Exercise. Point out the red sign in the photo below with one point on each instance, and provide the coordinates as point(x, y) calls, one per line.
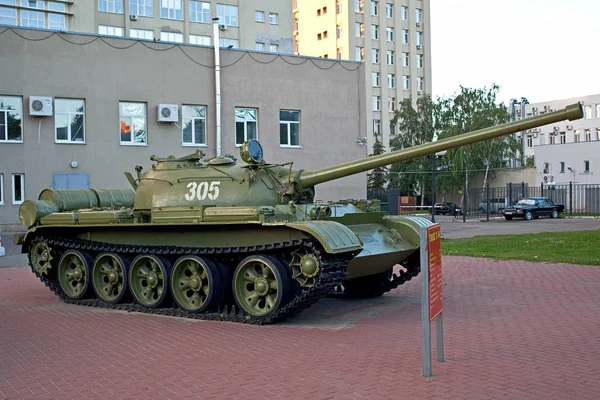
point(434, 252)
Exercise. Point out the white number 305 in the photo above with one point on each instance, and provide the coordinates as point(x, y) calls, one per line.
point(202, 190)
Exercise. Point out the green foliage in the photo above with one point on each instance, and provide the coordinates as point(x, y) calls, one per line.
point(379, 176)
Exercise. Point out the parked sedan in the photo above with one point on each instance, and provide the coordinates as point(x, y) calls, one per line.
point(447, 208)
point(533, 207)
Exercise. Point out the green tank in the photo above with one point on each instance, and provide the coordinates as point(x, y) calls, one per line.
point(217, 239)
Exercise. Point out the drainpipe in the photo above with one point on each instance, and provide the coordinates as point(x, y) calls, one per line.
point(217, 82)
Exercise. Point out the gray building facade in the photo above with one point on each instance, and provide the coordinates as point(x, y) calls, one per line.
point(103, 98)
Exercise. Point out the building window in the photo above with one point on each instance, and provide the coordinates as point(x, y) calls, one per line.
point(10, 119)
point(562, 167)
point(419, 38)
point(392, 104)
point(274, 48)
point(32, 19)
point(228, 15)
point(391, 81)
point(110, 6)
point(588, 112)
point(232, 43)
point(405, 60)
point(375, 56)
point(376, 103)
point(324, 10)
point(420, 61)
point(199, 11)
point(389, 31)
point(171, 37)
point(246, 125)
point(141, 34)
point(391, 58)
point(586, 166)
point(374, 32)
point(546, 168)
point(373, 8)
point(405, 36)
point(200, 40)
point(563, 137)
point(389, 10)
point(392, 129)
point(420, 83)
point(273, 18)
point(133, 123)
point(259, 16)
point(69, 121)
point(171, 9)
point(406, 82)
point(359, 29)
point(376, 127)
point(18, 188)
point(319, 36)
point(597, 110)
point(340, 31)
point(56, 21)
point(418, 15)
point(340, 53)
point(529, 141)
point(597, 133)
point(577, 136)
point(141, 8)
point(404, 13)
point(1, 189)
point(375, 79)
point(360, 54)
point(358, 6)
point(193, 122)
point(588, 135)
point(260, 46)
point(110, 30)
point(552, 139)
point(338, 7)
point(8, 16)
point(289, 128)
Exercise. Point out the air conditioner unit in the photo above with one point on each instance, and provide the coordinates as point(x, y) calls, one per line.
point(418, 24)
point(223, 27)
point(40, 106)
point(168, 113)
point(535, 135)
point(133, 17)
point(569, 127)
point(556, 129)
point(419, 47)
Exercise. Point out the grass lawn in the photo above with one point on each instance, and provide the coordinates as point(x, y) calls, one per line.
point(581, 247)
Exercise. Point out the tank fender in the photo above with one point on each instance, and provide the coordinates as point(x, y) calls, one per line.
point(333, 236)
point(407, 226)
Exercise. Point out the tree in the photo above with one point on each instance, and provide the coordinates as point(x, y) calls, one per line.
point(379, 176)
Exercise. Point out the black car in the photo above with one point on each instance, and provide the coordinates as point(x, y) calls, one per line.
point(533, 207)
point(447, 209)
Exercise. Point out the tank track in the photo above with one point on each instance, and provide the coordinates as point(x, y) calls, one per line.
point(333, 269)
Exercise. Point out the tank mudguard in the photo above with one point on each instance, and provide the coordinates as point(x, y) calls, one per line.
point(408, 226)
point(333, 236)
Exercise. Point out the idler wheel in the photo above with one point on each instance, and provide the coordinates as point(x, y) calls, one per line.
point(196, 283)
point(149, 280)
point(74, 273)
point(109, 277)
point(261, 285)
point(41, 256)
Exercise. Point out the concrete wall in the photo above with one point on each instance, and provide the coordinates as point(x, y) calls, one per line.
point(503, 177)
point(573, 155)
point(326, 94)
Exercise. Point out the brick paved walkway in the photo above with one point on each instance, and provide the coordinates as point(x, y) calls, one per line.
point(514, 330)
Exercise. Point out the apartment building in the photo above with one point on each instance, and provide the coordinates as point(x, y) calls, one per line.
point(567, 151)
point(79, 110)
point(391, 37)
point(252, 24)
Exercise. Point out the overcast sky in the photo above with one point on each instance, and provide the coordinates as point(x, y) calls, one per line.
point(540, 49)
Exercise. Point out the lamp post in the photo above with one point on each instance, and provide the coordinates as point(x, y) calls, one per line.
point(433, 157)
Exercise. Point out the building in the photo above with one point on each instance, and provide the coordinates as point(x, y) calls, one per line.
point(568, 151)
point(77, 110)
point(392, 38)
point(265, 25)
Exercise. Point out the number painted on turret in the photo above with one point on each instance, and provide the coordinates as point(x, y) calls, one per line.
point(202, 190)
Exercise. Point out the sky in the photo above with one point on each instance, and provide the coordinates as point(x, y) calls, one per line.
point(539, 49)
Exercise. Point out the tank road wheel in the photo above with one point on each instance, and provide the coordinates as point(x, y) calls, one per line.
point(74, 273)
point(109, 277)
point(261, 285)
point(149, 280)
point(196, 284)
point(41, 256)
point(305, 267)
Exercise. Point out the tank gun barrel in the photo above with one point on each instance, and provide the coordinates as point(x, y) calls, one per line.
point(311, 178)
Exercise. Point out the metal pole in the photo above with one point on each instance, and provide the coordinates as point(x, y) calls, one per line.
point(524, 102)
point(433, 189)
point(570, 197)
point(439, 337)
point(217, 81)
point(464, 205)
point(542, 189)
point(426, 325)
point(487, 196)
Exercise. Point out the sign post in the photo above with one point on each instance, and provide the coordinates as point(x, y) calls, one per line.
point(431, 293)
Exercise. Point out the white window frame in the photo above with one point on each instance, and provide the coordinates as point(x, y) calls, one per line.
point(375, 56)
point(339, 31)
point(375, 79)
point(245, 122)
point(273, 18)
point(376, 127)
point(117, 31)
point(5, 112)
point(389, 31)
point(563, 137)
point(374, 32)
point(389, 10)
point(171, 9)
point(376, 103)
point(131, 142)
point(529, 141)
point(144, 34)
point(391, 81)
point(418, 15)
point(35, 19)
point(419, 38)
point(404, 36)
point(289, 130)
point(420, 83)
point(404, 13)
point(390, 57)
point(193, 118)
point(391, 104)
point(586, 165)
point(199, 15)
point(374, 8)
point(405, 59)
point(405, 82)
point(420, 61)
point(260, 46)
point(200, 40)
point(56, 21)
point(22, 179)
point(259, 16)
point(69, 115)
point(273, 48)
point(588, 112)
point(111, 6)
point(226, 42)
point(172, 37)
point(140, 5)
point(339, 8)
point(1, 189)
point(6, 11)
point(359, 29)
point(359, 53)
point(225, 12)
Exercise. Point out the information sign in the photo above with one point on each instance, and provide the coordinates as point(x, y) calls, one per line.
point(434, 241)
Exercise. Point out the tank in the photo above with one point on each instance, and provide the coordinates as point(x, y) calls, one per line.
point(225, 240)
